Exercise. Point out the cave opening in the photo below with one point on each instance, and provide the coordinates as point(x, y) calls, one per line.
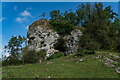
point(60, 45)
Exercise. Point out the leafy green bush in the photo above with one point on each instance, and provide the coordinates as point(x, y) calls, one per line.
point(57, 55)
point(5, 63)
point(41, 54)
point(88, 42)
point(11, 60)
point(31, 56)
point(81, 51)
point(82, 29)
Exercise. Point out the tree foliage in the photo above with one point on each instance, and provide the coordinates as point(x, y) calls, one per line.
point(100, 27)
point(14, 48)
point(101, 31)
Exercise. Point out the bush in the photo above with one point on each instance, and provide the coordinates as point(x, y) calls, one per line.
point(31, 56)
point(5, 63)
point(57, 55)
point(82, 29)
point(11, 60)
point(88, 42)
point(41, 54)
point(81, 51)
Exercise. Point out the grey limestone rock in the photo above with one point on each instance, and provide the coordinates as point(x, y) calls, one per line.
point(42, 37)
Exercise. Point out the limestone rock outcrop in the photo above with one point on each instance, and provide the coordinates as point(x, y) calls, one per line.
point(41, 36)
point(72, 41)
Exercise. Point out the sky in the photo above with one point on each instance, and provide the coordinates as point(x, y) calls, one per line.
point(17, 16)
point(60, 0)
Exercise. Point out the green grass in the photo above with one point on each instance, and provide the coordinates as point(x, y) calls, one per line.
point(65, 67)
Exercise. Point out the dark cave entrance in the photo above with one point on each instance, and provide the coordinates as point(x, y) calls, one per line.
point(60, 45)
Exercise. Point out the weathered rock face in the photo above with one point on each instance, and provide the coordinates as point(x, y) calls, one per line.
point(42, 37)
point(72, 41)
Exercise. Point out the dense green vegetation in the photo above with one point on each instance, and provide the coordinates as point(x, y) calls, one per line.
point(62, 27)
point(101, 25)
point(31, 56)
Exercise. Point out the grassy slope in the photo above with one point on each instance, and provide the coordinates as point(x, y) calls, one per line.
point(65, 67)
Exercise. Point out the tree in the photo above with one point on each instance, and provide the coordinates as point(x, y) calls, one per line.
point(14, 48)
point(62, 27)
point(55, 15)
point(63, 23)
point(43, 15)
point(72, 18)
point(99, 27)
point(117, 25)
point(80, 14)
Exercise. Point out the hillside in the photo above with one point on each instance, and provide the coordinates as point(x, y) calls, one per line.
point(103, 64)
point(81, 41)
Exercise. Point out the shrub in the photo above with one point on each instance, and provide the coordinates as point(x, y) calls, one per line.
point(5, 63)
point(57, 55)
point(31, 56)
point(11, 60)
point(88, 42)
point(41, 54)
point(81, 51)
point(82, 29)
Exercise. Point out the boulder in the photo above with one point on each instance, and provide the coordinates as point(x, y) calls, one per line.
point(42, 37)
point(72, 41)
